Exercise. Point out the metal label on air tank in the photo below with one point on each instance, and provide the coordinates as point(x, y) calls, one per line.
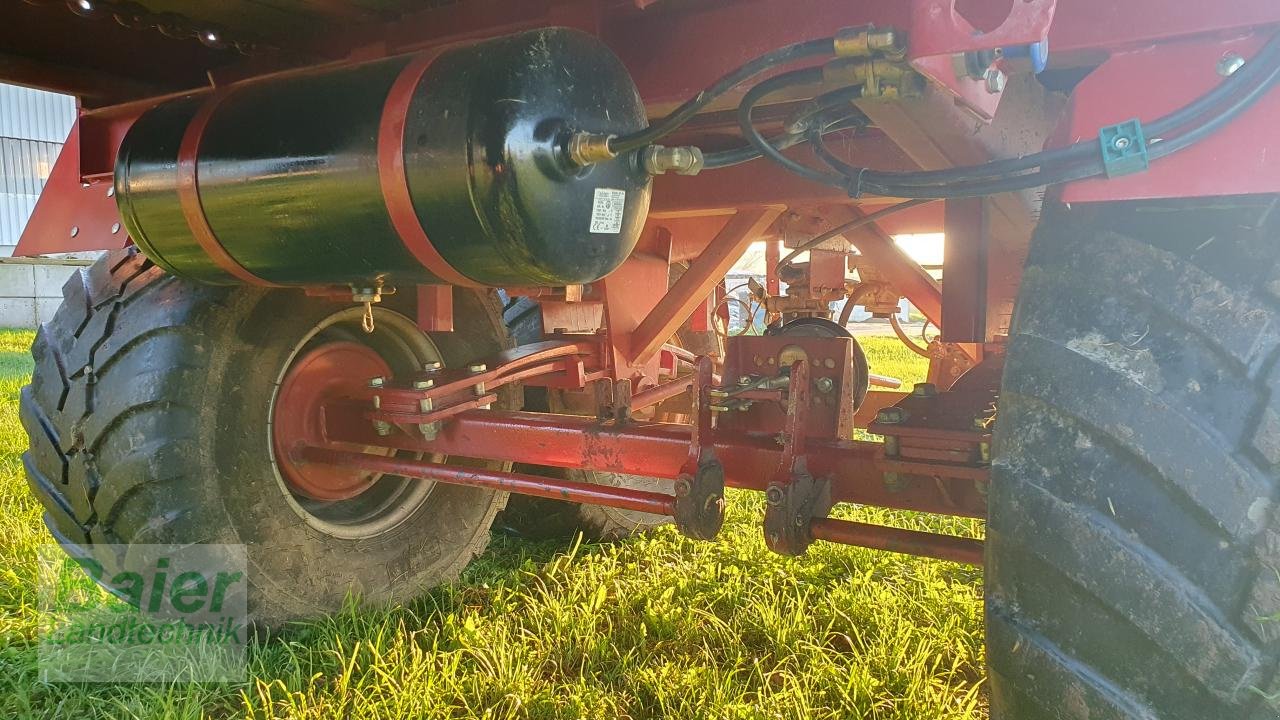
point(607, 210)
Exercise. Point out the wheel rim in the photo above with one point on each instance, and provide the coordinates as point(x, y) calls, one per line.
point(333, 359)
point(327, 371)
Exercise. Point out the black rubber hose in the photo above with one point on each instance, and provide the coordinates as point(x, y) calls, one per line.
point(848, 227)
point(1198, 133)
point(824, 154)
point(747, 153)
point(747, 107)
point(682, 114)
point(836, 98)
point(782, 141)
point(1091, 168)
point(1247, 76)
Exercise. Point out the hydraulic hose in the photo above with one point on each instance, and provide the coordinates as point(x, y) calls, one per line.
point(1059, 174)
point(854, 299)
point(682, 114)
point(850, 226)
point(1091, 168)
point(781, 141)
point(746, 121)
point(1075, 162)
point(1254, 75)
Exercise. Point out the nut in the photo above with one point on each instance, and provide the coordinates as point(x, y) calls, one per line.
point(377, 382)
point(925, 390)
point(996, 80)
point(891, 416)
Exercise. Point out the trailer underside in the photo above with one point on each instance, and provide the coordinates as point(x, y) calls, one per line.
point(775, 413)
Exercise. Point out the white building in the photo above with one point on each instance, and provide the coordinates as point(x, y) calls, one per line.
point(33, 126)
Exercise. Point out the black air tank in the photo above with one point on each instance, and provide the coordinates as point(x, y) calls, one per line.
point(438, 167)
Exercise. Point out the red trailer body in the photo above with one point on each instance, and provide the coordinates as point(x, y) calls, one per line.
point(953, 84)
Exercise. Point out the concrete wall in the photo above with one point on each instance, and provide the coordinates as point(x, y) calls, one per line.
point(30, 293)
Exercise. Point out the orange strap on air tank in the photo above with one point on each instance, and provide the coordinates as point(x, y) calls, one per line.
point(391, 174)
point(189, 195)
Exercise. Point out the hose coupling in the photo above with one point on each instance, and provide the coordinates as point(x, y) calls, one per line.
point(869, 41)
point(685, 160)
point(587, 148)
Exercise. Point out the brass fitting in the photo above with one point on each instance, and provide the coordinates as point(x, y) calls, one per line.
point(659, 160)
point(869, 41)
point(590, 148)
point(879, 78)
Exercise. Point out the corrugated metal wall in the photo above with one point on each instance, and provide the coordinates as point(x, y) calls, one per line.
point(33, 125)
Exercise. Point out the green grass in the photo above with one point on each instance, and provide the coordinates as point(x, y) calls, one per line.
point(888, 356)
point(655, 627)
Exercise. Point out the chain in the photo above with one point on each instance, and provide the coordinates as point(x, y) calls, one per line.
point(135, 16)
point(367, 296)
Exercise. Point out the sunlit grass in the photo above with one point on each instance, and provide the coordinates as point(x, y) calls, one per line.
point(655, 627)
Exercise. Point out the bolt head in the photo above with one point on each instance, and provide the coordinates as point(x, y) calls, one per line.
point(825, 385)
point(377, 382)
point(431, 366)
point(423, 384)
point(1121, 143)
point(1229, 64)
point(477, 368)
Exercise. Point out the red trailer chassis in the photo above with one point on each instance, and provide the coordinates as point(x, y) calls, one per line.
point(779, 416)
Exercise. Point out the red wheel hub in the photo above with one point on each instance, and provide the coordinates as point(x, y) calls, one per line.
point(327, 372)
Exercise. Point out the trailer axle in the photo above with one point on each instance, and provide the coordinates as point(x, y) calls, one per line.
point(844, 532)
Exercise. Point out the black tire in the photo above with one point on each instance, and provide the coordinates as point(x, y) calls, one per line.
point(148, 416)
point(1133, 551)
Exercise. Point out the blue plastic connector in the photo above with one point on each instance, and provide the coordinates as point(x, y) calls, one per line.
point(1124, 148)
point(1035, 53)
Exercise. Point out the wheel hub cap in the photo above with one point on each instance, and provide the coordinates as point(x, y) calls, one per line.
point(330, 371)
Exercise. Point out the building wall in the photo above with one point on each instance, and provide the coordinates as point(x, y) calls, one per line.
point(33, 126)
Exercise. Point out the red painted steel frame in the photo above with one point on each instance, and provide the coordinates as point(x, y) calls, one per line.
point(709, 268)
point(519, 483)
point(658, 450)
point(1243, 158)
point(1150, 60)
point(877, 537)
